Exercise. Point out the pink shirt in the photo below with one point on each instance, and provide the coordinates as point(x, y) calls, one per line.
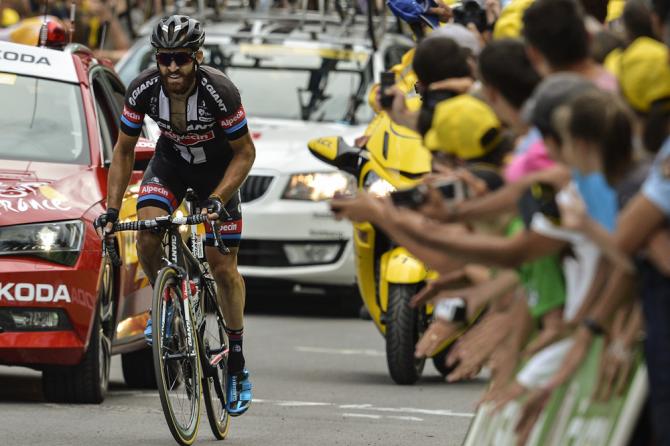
point(532, 160)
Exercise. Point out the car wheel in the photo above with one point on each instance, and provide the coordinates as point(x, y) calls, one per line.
point(88, 381)
point(138, 369)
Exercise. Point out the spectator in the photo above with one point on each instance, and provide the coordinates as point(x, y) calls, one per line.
point(557, 40)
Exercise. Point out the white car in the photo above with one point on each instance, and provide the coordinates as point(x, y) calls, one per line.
point(294, 88)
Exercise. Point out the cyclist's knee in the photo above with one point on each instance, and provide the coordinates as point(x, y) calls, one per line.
point(148, 243)
point(225, 270)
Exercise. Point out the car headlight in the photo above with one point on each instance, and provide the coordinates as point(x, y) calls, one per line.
point(58, 242)
point(376, 185)
point(319, 186)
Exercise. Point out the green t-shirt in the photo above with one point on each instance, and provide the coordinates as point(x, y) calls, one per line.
point(542, 279)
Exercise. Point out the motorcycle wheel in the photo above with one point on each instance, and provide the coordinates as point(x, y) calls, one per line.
point(440, 362)
point(403, 328)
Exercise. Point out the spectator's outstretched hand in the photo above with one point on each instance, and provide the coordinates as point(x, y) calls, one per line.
point(442, 11)
point(572, 208)
point(475, 347)
point(615, 367)
point(436, 334)
point(434, 287)
point(530, 412)
point(362, 207)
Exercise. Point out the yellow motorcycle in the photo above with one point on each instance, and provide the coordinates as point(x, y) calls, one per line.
point(388, 275)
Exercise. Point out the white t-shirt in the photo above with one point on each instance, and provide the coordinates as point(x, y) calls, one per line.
point(579, 270)
point(544, 364)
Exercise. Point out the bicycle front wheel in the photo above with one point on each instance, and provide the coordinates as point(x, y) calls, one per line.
point(215, 367)
point(176, 359)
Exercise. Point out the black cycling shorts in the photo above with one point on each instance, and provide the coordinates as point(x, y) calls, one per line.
point(164, 186)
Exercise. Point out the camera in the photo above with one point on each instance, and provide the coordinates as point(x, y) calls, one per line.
point(387, 81)
point(468, 12)
point(451, 310)
point(452, 190)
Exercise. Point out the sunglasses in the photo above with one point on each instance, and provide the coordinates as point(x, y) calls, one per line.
point(180, 59)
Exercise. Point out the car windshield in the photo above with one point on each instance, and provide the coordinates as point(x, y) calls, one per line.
point(277, 82)
point(44, 123)
point(289, 82)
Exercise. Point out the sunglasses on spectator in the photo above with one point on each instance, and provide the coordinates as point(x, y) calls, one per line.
point(180, 58)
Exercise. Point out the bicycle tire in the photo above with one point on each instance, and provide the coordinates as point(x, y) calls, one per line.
point(215, 349)
point(173, 374)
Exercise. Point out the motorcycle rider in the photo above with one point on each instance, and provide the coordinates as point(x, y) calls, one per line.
point(205, 145)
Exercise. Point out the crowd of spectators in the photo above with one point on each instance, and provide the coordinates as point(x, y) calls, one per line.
point(567, 102)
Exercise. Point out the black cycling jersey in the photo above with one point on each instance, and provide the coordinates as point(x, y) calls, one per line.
point(214, 116)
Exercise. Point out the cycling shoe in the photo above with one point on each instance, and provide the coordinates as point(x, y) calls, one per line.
point(148, 331)
point(238, 393)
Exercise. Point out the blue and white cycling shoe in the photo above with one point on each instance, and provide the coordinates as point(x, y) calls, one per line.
point(148, 331)
point(238, 395)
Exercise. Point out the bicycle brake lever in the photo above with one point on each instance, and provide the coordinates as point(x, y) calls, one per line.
point(218, 242)
point(109, 250)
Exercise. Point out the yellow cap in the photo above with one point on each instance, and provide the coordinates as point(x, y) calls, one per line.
point(644, 73)
point(615, 10)
point(464, 127)
point(612, 61)
point(9, 17)
point(510, 22)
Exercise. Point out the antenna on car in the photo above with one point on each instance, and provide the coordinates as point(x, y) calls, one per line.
point(73, 10)
point(105, 25)
point(43, 28)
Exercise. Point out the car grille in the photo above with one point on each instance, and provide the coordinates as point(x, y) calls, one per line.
point(254, 187)
point(271, 252)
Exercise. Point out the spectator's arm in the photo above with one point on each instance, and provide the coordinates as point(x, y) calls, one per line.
point(504, 199)
point(468, 247)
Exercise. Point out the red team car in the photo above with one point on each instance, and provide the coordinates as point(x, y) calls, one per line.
point(63, 310)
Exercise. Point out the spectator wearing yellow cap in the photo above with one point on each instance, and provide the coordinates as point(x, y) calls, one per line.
point(644, 76)
point(465, 128)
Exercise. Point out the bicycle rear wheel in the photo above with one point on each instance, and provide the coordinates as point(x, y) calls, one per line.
point(176, 362)
point(215, 367)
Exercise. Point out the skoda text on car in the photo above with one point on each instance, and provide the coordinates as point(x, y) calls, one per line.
point(294, 88)
point(62, 309)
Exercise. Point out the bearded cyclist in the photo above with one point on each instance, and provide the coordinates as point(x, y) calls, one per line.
point(205, 145)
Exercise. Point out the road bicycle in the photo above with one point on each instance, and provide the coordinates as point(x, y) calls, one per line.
point(190, 346)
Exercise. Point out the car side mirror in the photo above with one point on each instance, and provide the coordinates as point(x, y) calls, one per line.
point(336, 152)
point(144, 151)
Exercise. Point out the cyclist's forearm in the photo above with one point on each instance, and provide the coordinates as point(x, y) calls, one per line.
point(119, 176)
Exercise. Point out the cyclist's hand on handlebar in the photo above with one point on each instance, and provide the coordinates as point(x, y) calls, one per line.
point(104, 222)
point(214, 208)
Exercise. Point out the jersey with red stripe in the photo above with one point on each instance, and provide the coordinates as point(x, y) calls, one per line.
point(214, 116)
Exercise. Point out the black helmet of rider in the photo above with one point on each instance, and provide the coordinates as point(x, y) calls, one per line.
point(178, 31)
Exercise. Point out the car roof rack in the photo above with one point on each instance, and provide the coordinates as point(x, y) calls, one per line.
point(337, 21)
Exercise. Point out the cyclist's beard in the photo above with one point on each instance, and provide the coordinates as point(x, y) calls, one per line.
point(179, 84)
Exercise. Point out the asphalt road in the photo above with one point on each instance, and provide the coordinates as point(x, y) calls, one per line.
point(318, 380)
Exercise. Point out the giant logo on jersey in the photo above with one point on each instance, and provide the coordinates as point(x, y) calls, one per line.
point(212, 91)
point(132, 98)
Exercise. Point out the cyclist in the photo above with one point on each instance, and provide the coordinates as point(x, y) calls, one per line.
point(205, 145)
